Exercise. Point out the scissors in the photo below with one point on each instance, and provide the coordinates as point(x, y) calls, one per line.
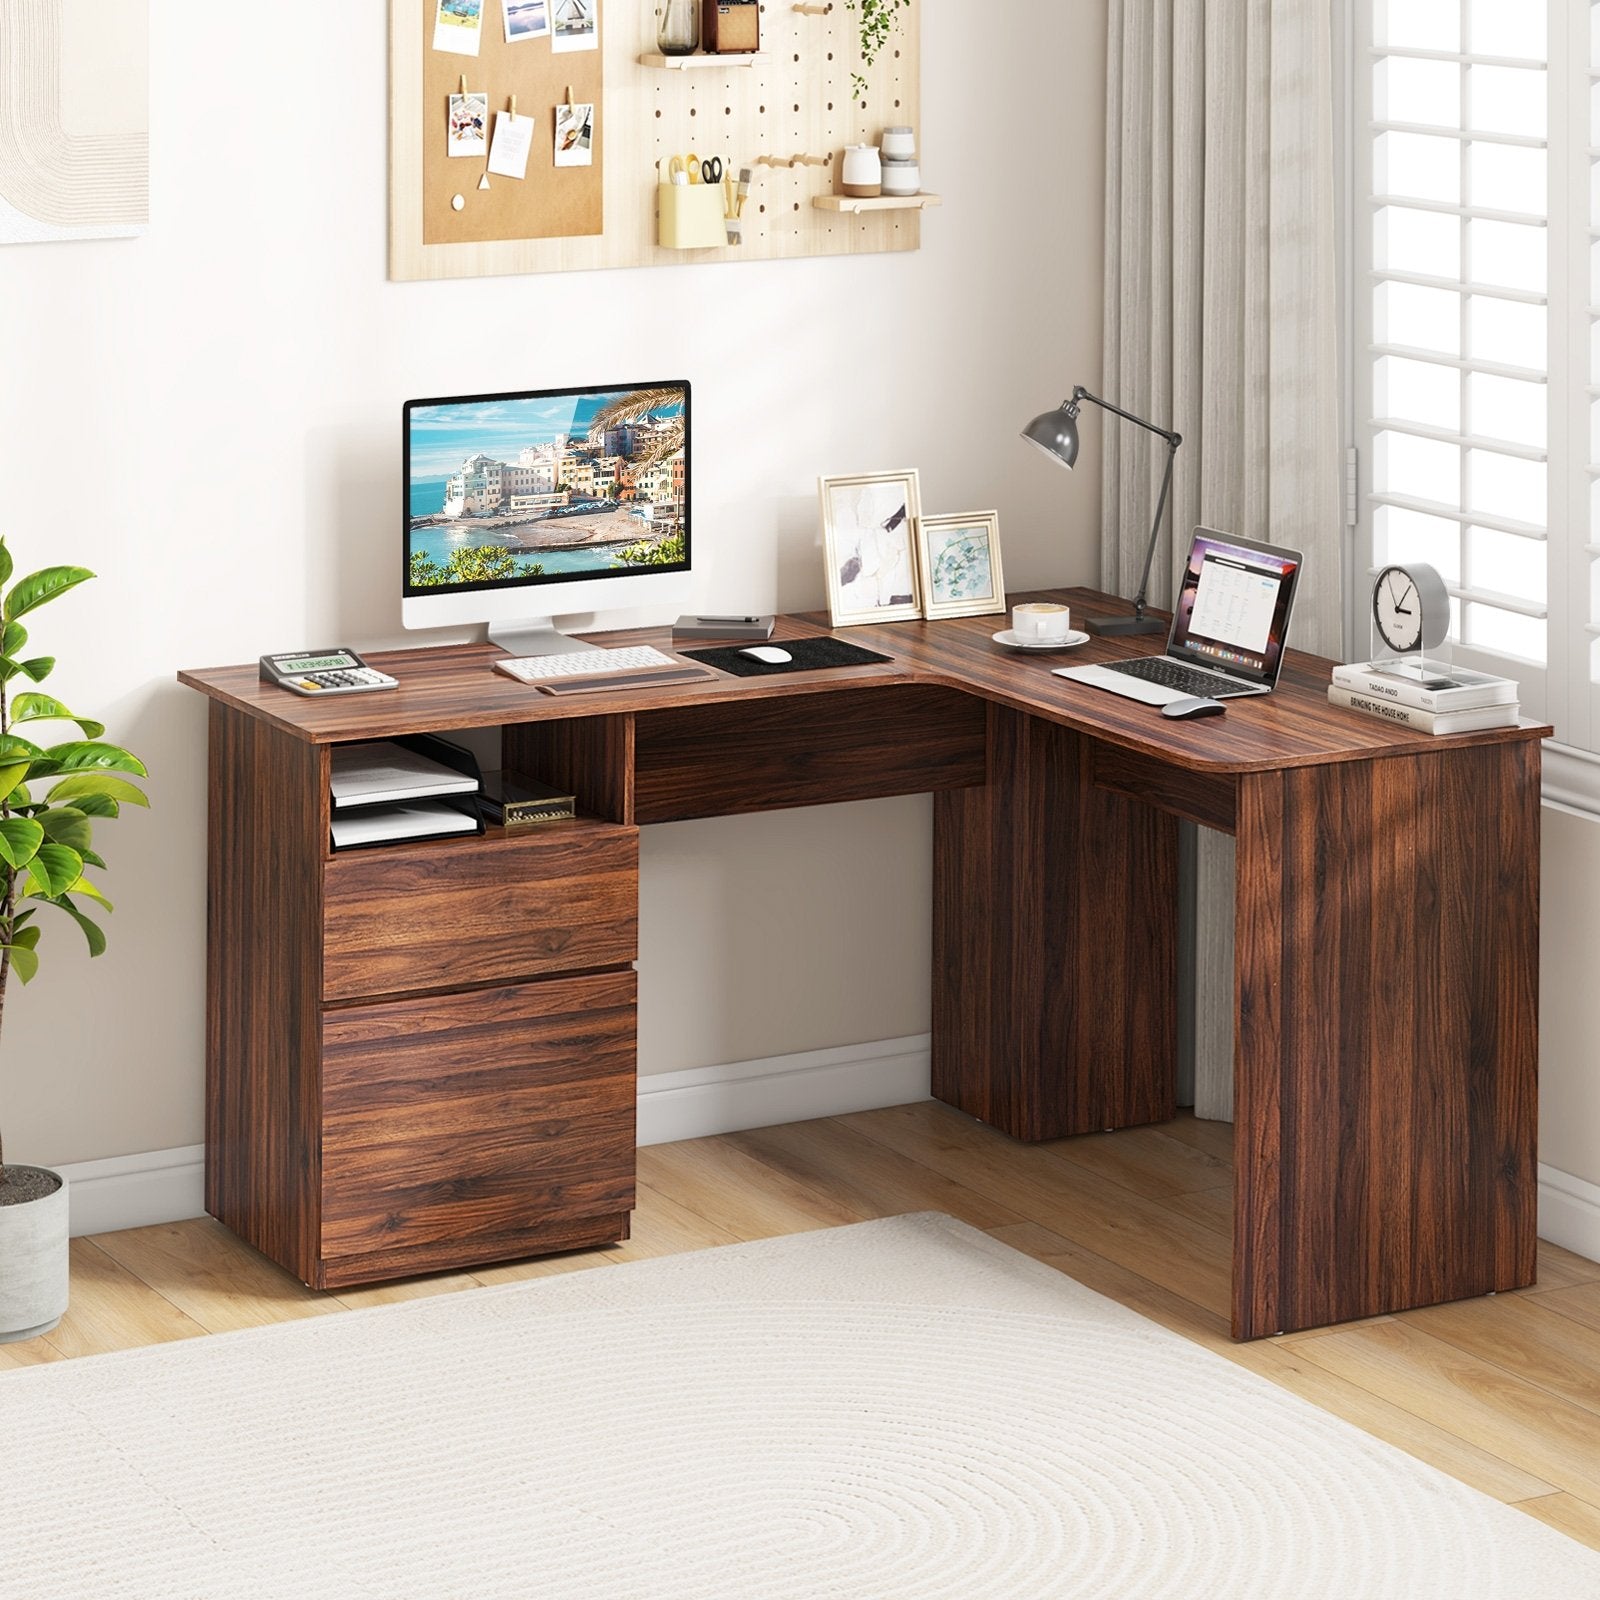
point(691, 169)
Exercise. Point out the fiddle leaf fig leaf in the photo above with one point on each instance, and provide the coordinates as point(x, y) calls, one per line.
point(20, 838)
point(23, 961)
point(38, 667)
point(12, 637)
point(82, 786)
point(69, 826)
point(79, 756)
point(31, 707)
point(92, 931)
point(39, 588)
point(84, 886)
point(28, 938)
point(7, 566)
point(54, 870)
point(96, 805)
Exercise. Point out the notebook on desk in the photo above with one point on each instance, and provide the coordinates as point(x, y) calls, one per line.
point(1229, 630)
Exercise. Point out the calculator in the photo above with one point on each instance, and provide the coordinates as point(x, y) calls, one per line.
point(338, 670)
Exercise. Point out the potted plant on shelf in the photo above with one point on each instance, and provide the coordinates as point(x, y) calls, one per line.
point(875, 22)
point(50, 798)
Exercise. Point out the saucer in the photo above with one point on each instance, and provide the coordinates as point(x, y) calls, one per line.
point(1012, 642)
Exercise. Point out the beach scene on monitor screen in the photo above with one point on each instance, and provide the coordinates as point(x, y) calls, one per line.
point(542, 486)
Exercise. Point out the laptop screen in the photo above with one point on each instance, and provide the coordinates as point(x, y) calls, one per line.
point(1233, 607)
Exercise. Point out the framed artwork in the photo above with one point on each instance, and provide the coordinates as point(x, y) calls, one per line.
point(869, 540)
point(958, 560)
point(75, 104)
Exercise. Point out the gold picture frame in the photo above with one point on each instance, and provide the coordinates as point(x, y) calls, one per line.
point(958, 565)
point(869, 541)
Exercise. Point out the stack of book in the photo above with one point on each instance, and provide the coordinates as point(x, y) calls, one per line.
point(1447, 700)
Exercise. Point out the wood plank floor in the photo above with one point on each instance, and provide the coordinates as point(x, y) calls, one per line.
point(1502, 1393)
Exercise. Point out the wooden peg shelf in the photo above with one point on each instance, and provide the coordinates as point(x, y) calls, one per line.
point(748, 58)
point(886, 202)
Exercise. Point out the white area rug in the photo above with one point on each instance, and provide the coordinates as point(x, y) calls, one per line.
point(894, 1410)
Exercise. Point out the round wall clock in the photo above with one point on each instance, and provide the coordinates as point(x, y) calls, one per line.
point(1410, 607)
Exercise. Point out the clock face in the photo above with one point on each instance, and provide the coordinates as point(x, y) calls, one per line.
point(1397, 609)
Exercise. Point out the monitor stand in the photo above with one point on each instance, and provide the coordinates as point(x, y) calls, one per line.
point(535, 636)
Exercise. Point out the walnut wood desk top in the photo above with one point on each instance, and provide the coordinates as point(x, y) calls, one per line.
point(455, 686)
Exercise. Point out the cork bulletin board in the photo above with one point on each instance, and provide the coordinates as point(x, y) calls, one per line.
point(787, 113)
point(551, 201)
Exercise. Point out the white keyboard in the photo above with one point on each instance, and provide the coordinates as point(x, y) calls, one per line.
point(584, 664)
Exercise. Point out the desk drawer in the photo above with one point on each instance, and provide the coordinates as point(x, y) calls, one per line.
point(452, 912)
point(770, 754)
point(470, 1122)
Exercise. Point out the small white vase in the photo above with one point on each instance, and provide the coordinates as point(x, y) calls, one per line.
point(33, 1263)
point(861, 177)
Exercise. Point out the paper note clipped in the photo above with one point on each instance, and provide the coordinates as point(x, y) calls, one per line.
point(513, 139)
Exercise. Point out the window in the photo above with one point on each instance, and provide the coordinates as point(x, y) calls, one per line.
point(1475, 367)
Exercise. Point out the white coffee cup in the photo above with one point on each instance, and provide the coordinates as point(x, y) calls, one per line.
point(1041, 622)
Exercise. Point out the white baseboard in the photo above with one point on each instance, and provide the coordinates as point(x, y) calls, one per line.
point(169, 1185)
point(137, 1191)
point(758, 1094)
point(1569, 1212)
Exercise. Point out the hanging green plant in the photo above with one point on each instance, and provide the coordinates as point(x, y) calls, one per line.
point(875, 22)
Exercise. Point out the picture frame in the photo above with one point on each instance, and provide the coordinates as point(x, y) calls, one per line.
point(869, 540)
point(958, 565)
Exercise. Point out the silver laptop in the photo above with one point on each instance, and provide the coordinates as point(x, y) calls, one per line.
point(1230, 626)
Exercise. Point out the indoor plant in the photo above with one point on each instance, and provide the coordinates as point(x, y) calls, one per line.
point(875, 21)
point(50, 798)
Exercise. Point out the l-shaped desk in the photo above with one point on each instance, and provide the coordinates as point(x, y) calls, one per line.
point(422, 1056)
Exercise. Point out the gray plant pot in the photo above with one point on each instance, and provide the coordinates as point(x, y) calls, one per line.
point(33, 1262)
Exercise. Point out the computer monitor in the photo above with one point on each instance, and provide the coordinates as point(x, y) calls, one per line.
point(545, 503)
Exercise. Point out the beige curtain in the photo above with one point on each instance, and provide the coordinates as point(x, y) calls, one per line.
point(1221, 322)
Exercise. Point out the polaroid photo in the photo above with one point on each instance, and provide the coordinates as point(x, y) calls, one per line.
point(576, 25)
point(513, 139)
point(458, 26)
point(526, 19)
point(469, 124)
point(575, 135)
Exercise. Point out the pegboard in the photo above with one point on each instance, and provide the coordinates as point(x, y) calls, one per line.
point(793, 101)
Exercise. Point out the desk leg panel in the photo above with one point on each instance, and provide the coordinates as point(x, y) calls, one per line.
point(1386, 1067)
point(1055, 943)
point(267, 834)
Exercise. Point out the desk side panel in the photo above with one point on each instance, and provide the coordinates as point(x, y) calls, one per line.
point(1387, 1057)
point(1055, 943)
point(266, 837)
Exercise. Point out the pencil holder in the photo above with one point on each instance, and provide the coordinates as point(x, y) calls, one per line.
point(691, 216)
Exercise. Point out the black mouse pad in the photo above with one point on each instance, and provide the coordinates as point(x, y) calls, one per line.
point(809, 655)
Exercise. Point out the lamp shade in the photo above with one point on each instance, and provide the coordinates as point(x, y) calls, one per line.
point(1056, 433)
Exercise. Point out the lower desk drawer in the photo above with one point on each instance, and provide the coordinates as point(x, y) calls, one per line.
point(468, 1127)
point(559, 898)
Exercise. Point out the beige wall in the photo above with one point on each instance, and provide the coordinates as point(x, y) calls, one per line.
point(209, 417)
point(1569, 996)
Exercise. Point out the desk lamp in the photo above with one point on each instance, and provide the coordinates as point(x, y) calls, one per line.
point(1056, 433)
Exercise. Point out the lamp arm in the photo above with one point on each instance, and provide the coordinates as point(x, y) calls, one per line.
point(1080, 394)
point(1173, 441)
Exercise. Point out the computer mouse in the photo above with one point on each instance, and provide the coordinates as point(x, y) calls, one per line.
point(775, 657)
point(1193, 706)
